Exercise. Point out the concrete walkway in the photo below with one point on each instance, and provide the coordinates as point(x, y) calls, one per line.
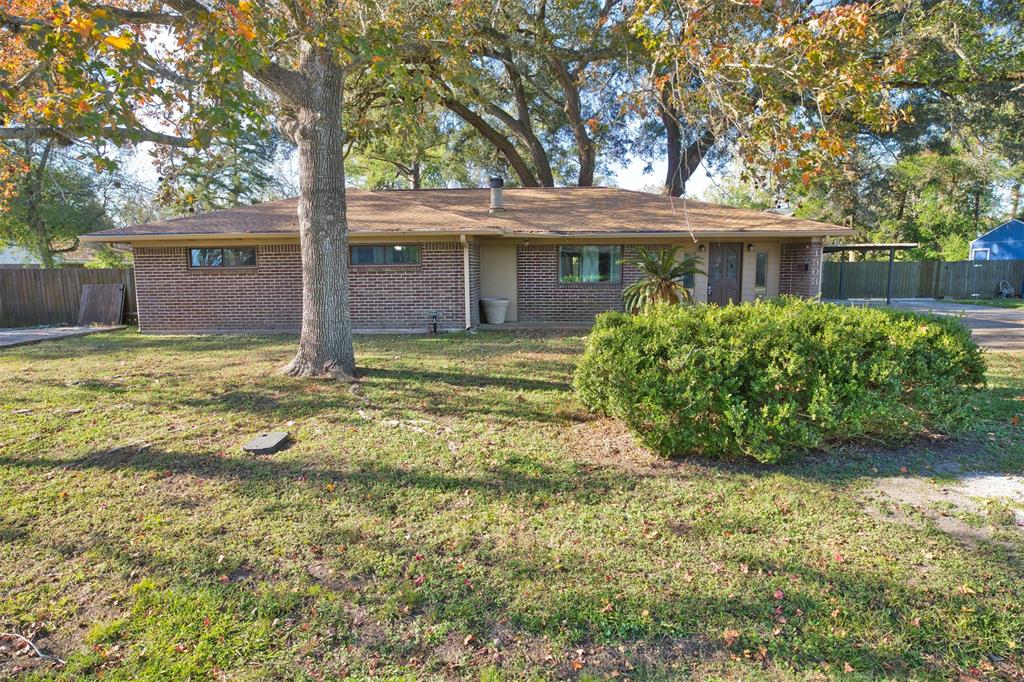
point(993, 328)
point(24, 336)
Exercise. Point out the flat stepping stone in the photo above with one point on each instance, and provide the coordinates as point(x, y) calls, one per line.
point(267, 443)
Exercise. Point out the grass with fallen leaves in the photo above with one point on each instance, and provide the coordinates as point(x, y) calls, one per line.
point(456, 515)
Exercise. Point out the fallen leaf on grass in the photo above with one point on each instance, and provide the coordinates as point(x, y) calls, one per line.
point(730, 636)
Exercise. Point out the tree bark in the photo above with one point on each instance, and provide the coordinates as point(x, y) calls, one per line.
point(521, 125)
point(415, 175)
point(674, 183)
point(325, 345)
point(586, 151)
point(681, 163)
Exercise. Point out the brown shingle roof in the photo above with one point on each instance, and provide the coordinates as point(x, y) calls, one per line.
point(535, 212)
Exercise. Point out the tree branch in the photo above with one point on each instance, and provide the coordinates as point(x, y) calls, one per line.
point(285, 83)
point(508, 150)
point(109, 133)
point(121, 15)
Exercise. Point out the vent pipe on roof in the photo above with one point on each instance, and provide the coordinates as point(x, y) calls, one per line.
point(496, 184)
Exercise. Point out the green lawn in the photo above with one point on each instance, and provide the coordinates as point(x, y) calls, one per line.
point(992, 302)
point(456, 515)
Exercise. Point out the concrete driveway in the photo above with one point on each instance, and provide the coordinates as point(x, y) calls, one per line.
point(993, 328)
point(24, 336)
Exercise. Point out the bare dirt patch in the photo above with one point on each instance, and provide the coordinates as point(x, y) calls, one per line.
point(608, 442)
point(993, 485)
point(950, 505)
point(51, 641)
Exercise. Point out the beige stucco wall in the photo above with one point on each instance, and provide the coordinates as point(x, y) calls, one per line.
point(498, 274)
point(748, 269)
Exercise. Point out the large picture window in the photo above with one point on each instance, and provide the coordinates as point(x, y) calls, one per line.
point(222, 258)
point(387, 254)
point(589, 264)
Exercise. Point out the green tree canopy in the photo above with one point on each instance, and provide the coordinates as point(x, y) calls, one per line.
point(55, 201)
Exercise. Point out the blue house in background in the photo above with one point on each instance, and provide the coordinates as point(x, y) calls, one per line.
point(1005, 242)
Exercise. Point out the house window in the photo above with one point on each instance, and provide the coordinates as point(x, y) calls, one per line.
point(387, 254)
point(761, 275)
point(689, 279)
point(589, 264)
point(980, 254)
point(222, 258)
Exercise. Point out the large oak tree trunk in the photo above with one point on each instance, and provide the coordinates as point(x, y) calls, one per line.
point(674, 181)
point(325, 346)
point(682, 163)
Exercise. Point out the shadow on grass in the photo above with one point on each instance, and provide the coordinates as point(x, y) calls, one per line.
point(502, 480)
point(465, 379)
point(131, 342)
point(441, 346)
point(809, 617)
point(388, 393)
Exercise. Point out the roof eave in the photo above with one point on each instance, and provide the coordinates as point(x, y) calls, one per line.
point(675, 234)
point(220, 236)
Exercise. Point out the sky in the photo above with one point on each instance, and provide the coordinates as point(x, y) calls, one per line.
point(632, 176)
point(628, 176)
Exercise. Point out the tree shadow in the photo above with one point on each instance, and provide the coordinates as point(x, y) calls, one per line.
point(501, 480)
point(490, 607)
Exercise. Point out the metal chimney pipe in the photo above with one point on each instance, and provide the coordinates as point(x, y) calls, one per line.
point(496, 184)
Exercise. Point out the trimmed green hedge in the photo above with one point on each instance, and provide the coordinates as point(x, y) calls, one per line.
point(772, 379)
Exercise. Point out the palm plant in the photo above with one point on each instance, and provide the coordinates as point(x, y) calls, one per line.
point(661, 281)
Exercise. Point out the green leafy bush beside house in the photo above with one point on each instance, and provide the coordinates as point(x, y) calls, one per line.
point(772, 379)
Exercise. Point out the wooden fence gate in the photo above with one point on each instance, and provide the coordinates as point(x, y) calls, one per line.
point(921, 279)
point(33, 296)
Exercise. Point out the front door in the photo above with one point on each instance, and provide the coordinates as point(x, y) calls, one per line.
point(724, 273)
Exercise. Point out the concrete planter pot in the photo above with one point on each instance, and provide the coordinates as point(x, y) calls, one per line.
point(494, 310)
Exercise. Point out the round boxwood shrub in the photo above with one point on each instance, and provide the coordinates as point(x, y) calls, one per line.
point(775, 378)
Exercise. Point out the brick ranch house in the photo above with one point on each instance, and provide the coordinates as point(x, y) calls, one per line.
point(420, 256)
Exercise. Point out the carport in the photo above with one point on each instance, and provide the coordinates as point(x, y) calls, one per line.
point(864, 248)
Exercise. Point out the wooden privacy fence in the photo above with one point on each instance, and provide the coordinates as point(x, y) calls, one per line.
point(920, 279)
point(33, 296)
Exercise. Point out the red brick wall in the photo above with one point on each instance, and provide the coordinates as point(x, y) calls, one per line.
point(401, 297)
point(800, 268)
point(542, 298)
point(176, 298)
point(173, 297)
